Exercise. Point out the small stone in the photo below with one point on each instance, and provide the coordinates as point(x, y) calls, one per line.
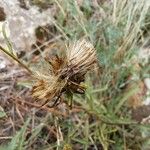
point(147, 83)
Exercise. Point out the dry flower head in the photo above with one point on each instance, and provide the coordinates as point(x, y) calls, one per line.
point(64, 75)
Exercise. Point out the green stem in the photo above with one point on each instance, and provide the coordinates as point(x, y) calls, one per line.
point(16, 59)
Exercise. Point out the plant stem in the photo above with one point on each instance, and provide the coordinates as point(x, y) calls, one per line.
point(16, 59)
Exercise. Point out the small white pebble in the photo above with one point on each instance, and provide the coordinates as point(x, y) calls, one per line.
point(147, 101)
point(2, 64)
point(147, 83)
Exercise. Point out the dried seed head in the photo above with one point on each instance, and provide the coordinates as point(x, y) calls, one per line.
point(61, 75)
point(47, 84)
point(81, 56)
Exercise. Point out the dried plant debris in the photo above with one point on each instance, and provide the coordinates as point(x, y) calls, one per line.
point(44, 4)
point(44, 38)
point(137, 99)
point(64, 75)
point(2, 14)
point(141, 113)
